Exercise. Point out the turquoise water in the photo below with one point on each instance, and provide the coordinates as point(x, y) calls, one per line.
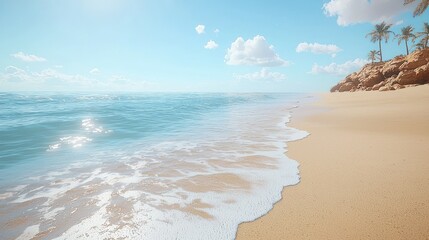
point(167, 158)
point(30, 123)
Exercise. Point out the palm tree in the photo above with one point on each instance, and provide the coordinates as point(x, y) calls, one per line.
point(380, 32)
point(421, 7)
point(419, 46)
point(406, 34)
point(373, 55)
point(424, 35)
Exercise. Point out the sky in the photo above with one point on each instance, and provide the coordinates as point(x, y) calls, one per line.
point(191, 46)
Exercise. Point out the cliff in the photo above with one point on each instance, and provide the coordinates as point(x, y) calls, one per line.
point(400, 72)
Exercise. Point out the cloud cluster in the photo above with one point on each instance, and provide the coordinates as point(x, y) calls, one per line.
point(318, 48)
point(15, 74)
point(14, 78)
point(361, 11)
point(256, 52)
point(263, 75)
point(211, 45)
point(200, 29)
point(28, 57)
point(339, 69)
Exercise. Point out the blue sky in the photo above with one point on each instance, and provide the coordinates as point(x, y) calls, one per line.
point(198, 46)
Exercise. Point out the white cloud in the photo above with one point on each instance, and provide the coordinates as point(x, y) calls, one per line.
point(397, 23)
point(13, 74)
point(51, 76)
point(339, 69)
point(318, 48)
point(200, 29)
point(28, 57)
point(13, 70)
point(216, 30)
point(211, 45)
point(263, 75)
point(16, 79)
point(361, 11)
point(254, 51)
point(94, 71)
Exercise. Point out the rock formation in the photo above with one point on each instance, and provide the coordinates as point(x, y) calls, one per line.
point(400, 72)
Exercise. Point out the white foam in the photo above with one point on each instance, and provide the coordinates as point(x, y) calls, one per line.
point(93, 226)
point(53, 192)
point(18, 188)
point(6, 195)
point(29, 232)
point(51, 214)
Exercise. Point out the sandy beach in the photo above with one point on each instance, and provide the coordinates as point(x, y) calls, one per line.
point(364, 170)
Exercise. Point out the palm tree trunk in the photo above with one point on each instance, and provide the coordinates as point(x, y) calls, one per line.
point(381, 54)
point(406, 45)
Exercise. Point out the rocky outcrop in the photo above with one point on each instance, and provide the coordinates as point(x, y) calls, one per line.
point(400, 72)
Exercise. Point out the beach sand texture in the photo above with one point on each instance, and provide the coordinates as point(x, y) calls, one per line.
point(364, 170)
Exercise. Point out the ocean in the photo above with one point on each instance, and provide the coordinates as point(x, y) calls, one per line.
point(142, 166)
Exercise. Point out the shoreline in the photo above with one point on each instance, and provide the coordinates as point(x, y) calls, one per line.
point(366, 176)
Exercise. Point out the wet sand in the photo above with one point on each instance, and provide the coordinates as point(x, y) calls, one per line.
point(364, 170)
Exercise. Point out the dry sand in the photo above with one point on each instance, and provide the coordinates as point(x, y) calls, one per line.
point(364, 170)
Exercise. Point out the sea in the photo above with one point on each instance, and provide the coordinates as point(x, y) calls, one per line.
point(142, 165)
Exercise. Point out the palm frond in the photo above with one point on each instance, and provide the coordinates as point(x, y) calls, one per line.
point(421, 7)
